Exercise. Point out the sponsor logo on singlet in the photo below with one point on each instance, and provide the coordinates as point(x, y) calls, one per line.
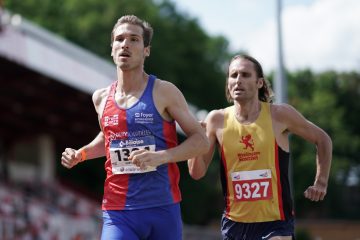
point(112, 120)
point(126, 134)
point(248, 153)
point(130, 143)
point(141, 117)
point(248, 142)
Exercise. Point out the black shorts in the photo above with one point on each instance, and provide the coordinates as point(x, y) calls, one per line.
point(231, 230)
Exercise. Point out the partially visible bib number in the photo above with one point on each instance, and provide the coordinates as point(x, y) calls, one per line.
point(252, 185)
point(120, 151)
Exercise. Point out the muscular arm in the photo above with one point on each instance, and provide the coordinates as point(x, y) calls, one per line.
point(196, 142)
point(198, 165)
point(297, 124)
point(96, 148)
point(171, 102)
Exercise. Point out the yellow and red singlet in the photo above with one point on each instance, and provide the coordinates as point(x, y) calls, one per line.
point(254, 170)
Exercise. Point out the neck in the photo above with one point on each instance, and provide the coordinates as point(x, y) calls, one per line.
point(247, 112)
point(130, 81)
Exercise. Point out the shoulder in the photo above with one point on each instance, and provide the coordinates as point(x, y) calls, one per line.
point(216, 114)
point(283, 111)
point(286, 117)
point(167, 93)
point(164, 86)
point(215, 118)
point(99, 95)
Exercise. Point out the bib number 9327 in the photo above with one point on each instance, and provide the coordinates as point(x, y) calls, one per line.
point(248, 191)
point(252, 185)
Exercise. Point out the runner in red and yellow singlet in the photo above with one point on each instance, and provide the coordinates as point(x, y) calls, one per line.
point(252, 136)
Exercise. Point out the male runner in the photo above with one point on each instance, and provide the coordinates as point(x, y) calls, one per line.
point(252, 136)
point(137, 115)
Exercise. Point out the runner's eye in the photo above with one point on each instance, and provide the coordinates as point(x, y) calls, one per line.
point(119, 39)
point(234, 75)
point(245, 74)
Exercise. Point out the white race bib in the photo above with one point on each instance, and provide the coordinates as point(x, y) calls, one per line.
point(120, 151)
point(252, 185)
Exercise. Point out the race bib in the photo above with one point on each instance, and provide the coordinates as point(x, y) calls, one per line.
point(252, 185)
point(120, 151)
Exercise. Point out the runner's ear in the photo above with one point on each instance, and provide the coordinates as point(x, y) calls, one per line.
point(147, 51)
point(260, 82)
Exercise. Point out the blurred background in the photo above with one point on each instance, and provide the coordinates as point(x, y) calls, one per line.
point(55, 53)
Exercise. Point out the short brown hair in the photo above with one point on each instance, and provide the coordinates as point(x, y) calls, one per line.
point(265, 92)
point(132, 19)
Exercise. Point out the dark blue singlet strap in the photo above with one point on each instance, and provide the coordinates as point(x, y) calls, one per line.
point(147, 95)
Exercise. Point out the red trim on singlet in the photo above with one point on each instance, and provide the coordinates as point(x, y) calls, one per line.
point(116, 185)
point(227, 206)
point(280, 200)
point(173, 170)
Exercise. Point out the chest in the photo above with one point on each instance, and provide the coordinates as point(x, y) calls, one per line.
point(126, 101)
point(247, 140)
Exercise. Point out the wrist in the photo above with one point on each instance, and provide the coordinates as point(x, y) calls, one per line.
point(165, 156)
point(83, 155)
point(322, 181)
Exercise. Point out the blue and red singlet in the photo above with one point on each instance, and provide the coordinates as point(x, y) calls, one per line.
point(138, 127)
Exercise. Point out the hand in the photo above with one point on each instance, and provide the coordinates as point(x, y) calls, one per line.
point(316, 192)
point(144, 158)
point(70, 157)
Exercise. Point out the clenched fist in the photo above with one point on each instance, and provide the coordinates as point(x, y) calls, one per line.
point(70, 157)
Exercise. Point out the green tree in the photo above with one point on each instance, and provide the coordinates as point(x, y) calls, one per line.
point(178, 46)
point(327, 99)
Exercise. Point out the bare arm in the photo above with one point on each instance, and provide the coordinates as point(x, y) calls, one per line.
point(198, 165)
point(297, 124)
point(172, 102)
point(96, 148)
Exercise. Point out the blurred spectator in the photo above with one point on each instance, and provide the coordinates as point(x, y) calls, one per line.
point(34, 211)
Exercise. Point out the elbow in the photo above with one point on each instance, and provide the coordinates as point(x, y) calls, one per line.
point(329, 141)
point(196, 175)
point(196, 170)
point(324, 147)
point(326, 141)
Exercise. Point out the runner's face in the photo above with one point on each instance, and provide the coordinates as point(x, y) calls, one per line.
point(128, 49)
point(243, 83)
